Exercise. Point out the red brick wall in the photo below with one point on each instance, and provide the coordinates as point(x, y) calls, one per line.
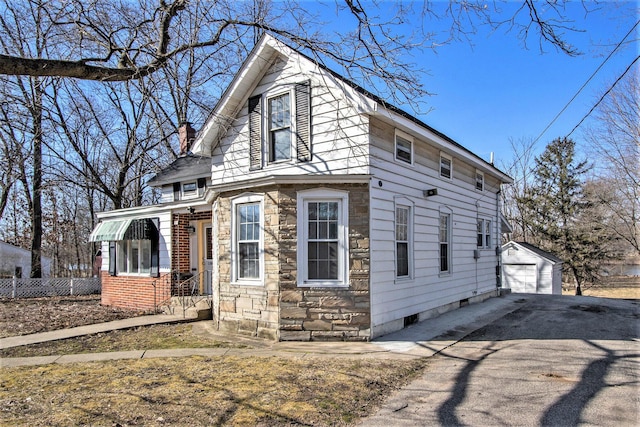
point(180, 248)
point(134, 292)
point(180, 260)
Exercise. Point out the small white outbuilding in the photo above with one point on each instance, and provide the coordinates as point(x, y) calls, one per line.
point(529, 269)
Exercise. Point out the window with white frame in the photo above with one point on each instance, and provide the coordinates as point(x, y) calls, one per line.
point(286, 119)
point(484, 233)
point(487, 233)
point(404, 147)
point(403, 234)
point(279, 121)
point(445, 242)
point(323, 253)
point(247, 257)
point(479, 181)
point(446, 166)
point(189, 188)
point(134, 257)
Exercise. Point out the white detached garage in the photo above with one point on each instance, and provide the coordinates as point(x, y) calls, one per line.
point(529, 269)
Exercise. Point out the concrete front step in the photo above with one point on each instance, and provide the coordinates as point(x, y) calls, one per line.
point(197, 308)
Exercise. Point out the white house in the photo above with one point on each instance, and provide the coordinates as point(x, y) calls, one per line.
point(16, 262)
point(309, 209)
point(529, 269)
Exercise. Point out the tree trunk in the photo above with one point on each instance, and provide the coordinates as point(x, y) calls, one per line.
point(36, 219)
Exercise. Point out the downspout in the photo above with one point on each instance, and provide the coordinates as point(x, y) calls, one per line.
point(215, 275)
point(498, 242)
point(477, 250)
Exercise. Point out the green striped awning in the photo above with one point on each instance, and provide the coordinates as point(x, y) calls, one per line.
point(124, 229)
point(110, 230)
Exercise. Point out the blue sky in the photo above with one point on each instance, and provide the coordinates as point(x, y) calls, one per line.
point(495, 89)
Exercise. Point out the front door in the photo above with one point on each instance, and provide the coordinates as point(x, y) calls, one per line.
point(201, 256)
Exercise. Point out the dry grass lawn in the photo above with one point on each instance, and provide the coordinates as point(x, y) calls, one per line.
point(623, 293)
point(189, 391)
point(198, 391)
point(153, 337)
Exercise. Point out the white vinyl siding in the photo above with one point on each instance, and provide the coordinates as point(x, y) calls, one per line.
point(328, 154)
point(427, 289)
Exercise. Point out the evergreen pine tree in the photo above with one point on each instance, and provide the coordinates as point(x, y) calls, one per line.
point(559, 214)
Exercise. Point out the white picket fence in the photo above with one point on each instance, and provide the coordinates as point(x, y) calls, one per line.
point(32, 288)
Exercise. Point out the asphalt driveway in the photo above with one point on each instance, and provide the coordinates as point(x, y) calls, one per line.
point(554, 361)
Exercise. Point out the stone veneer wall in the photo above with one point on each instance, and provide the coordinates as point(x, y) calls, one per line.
point(244, 309)
point(313, 314)
point(280, 309)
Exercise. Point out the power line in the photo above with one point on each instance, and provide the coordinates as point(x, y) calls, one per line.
point(586, 83)
point(604, 95)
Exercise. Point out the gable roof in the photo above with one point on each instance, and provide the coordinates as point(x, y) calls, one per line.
point(257, 63)
point(536, 250)
point(183, 168)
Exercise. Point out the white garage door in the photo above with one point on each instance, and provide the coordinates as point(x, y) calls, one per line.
point(521, 278)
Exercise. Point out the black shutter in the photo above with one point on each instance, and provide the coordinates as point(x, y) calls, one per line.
point(303, 121)
point(155, 248)
point(201, 182)
point(255, 133)
point(176, 191)
point(112, 258)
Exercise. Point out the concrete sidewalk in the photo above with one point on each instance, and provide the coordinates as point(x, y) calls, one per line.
point(423, 339)
point(88, 330)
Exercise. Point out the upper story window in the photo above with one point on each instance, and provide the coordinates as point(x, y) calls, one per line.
point(279, 128)
point(404, 147)
point(323, 250)
point(446, 163)
point(479, 181)
point(189, 188)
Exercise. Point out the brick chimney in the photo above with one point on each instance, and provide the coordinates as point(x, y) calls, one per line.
point(186, 135)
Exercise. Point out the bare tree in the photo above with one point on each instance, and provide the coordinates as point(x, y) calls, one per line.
point(28, 92)
point(521, 168)
point(614, 139)
point(117, 41)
